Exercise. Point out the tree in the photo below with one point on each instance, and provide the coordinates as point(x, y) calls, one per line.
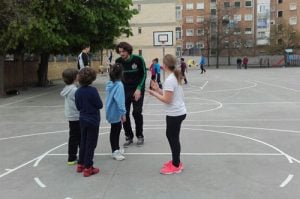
point(282, 37)
point(63, 26)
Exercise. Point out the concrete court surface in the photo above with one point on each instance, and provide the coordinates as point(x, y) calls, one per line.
point(241, 140)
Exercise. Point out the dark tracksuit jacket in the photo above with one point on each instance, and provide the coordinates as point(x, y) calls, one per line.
point(134, 76)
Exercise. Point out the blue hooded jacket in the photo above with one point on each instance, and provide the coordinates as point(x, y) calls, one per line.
point(115, 101)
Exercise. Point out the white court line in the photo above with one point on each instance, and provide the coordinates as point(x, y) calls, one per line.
point(14, 107)
point(288, 157)
point(287, 180)
point(18, 167)
point(184, 154)
point(44, 133)
point(220, 105)
point(223, 90)
point(202, 87)
point(279, 86)
point(39, 182)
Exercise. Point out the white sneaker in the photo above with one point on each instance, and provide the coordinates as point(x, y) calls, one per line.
point(117, 155)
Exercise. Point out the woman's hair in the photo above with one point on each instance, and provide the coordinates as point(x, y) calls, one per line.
point(170, 62)
point(69, 75)
point(126, 47)
point(116, 72)
point(86, 76)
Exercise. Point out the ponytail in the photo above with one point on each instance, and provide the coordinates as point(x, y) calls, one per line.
point(170, 62)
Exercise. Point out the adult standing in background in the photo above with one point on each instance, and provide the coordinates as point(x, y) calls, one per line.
point(245, 62)
point(83, 57)
point(134, 76)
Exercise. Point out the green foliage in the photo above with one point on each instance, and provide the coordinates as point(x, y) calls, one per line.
point(62, 26)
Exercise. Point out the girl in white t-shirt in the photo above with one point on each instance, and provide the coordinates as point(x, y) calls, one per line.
point(172, 96)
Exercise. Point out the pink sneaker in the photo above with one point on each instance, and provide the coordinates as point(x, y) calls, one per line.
point(171, 169)
point(166, 164)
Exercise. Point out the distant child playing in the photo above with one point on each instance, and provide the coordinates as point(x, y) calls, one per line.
point(115, 108)
point(172, 96)
point(88, 102)
point(72, 114)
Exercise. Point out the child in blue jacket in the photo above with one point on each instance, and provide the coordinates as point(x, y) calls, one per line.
point(115, 108)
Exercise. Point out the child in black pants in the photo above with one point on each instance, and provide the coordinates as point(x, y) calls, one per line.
point(115, 108)
point(89, 103)
point(72, 114)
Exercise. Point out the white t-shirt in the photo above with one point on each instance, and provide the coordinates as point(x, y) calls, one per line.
point(177, 106)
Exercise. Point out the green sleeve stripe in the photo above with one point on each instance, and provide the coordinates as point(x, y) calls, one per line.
point(140, 86)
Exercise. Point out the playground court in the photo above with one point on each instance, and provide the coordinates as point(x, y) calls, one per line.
point(240, 140)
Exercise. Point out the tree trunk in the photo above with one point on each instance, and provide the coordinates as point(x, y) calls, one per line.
point(42, 72)
point(2, 93)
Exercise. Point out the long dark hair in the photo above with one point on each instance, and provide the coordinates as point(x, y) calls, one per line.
point(116, 72)
point(170, 62)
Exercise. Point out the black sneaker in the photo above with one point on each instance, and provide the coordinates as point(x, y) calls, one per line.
point(140, 141)
point(127, 143)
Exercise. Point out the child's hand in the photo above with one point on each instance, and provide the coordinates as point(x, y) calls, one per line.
point(154, 85)
point(123, 118)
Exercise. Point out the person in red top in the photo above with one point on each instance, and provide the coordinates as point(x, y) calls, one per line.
point(183, 69)
point(245, 62)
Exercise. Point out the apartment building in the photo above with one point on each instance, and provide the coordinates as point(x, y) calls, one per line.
point(154, 28)
point(211, 25)
point(247, 24)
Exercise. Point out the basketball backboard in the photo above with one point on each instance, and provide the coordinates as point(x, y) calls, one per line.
point(163, 38)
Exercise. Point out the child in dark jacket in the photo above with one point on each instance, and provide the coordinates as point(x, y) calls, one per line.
point(115, 109)
point(88, 102)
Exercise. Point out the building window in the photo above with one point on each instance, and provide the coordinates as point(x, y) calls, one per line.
point(200, 19)
point(178, 33)
point(139, 30)
point(226, 44)
point(293, 6)
point(139, 7)
point(261, 34)
point(248, 17)
point(226, 4)
point(199, 45)
point(200, 32)
point(280, 13)
point(213, 11)
point(237, 4)
point(237, 44)
point(237, 17)
point(249, 44)
point(293, 20)
point(248, 3)
point(189, 32)
point(189, 6)
point(189, 19)
point(200, 6)
point(178, 51)
point(279, 27)
point(237, 32)
point(248, 30)
point(189, 45)
point(280, 41)
point(178, 12)
point(280, 1)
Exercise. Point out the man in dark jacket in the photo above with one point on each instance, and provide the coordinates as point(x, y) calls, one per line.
point(134, 77)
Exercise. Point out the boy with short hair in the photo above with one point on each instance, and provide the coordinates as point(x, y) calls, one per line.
point(72, 114)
